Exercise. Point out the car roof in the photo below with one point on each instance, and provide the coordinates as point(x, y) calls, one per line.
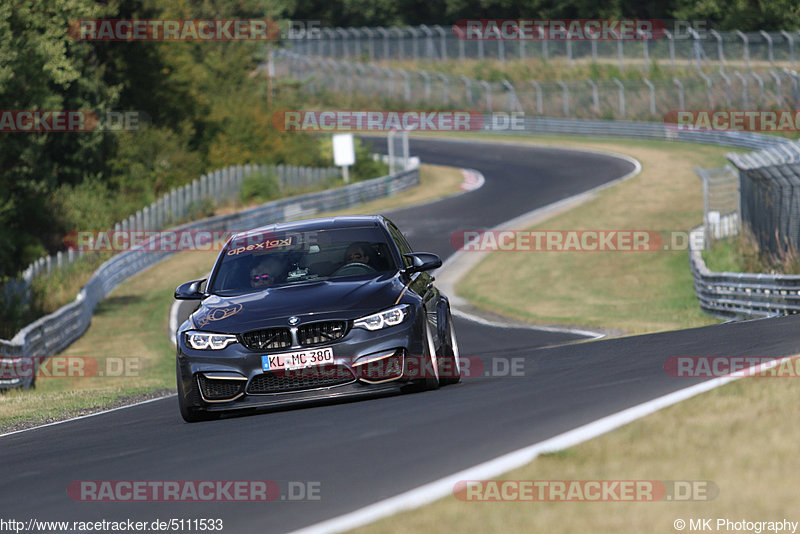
point(321, 223)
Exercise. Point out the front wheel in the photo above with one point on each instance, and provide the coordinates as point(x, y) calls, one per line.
point(450, 370)
point(430, 364)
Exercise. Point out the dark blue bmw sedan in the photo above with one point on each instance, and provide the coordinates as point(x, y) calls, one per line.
point(312, 310)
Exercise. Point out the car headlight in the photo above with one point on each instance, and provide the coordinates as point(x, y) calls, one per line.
point(208, 341)
point(376, 321)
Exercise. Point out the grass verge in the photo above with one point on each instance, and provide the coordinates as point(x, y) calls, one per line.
point(735, 436)
point(630, 291)
point(128, 333)
point(738, 436)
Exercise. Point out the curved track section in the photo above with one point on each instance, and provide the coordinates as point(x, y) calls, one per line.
point(362, 452)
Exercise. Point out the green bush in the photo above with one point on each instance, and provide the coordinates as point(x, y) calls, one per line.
point(260, 186)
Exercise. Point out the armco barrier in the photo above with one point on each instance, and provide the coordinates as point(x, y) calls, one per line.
point(733, 295)
point(52, 333)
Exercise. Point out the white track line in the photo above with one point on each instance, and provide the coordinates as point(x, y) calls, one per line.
point(444, 486)
point(86, 416)
point(498, 324)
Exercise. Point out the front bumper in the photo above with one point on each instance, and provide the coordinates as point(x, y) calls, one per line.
point(365, 363)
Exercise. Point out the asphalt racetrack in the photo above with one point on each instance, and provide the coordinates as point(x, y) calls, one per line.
point(353, 454)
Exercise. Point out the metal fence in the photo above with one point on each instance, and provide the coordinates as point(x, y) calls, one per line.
point(770, 197)
point(642, 99)
point(697, 48)
point(52, 333)
point(721, 203)
point(215, 188)
point(734, 295)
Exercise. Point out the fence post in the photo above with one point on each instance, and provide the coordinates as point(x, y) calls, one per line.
point(385, 34)
point(442, 40)
point(370, 43)
point(568, 44)
point(401, 49)
point(427, 87)
point(539, 99)
point(445, 88)
point(652, 91)
point(488, 89)
point(745, 95)
point(698, 50)
point(746, 44)
point(710, 89)
point(414, 42)
point(406, 85)
point(778, 87)
point(679, 85)
point(760, 81)
point(727, 88)
point(467, 89)
point(790, 40)
point(564, 96)
point(513, 101)
point(645, 51)
point(429, 53)
point(621, 96)
point(767, 37)
point(343, 33)
point(330, 40)
point(671, 44)
point(595, 97)
point(720, 54)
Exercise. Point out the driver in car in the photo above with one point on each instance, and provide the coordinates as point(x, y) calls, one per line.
point(356, 253)
point(265, 272)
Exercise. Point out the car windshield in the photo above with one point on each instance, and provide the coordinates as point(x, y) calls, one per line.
point(260, 260)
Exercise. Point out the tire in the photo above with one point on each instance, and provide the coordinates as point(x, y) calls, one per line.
point(432, 361)
point(450, 371)
point(189, 413)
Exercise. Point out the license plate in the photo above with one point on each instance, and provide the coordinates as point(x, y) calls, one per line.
point(296, 360)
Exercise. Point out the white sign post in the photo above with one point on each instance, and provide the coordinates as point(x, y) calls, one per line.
point(344, 153)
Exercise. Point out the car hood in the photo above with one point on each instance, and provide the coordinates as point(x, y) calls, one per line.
point(344, 298)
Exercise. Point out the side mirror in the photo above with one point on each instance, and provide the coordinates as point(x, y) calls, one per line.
point(422, 261)
point(190, 290)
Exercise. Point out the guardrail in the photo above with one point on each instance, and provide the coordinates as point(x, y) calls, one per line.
point(52, 333)
point(217, 187)
point(735, 295)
